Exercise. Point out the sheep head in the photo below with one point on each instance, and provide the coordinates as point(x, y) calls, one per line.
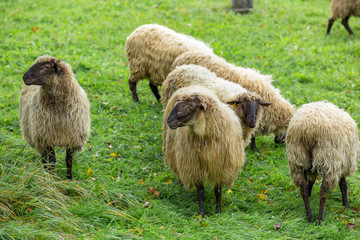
point(41, 72)
point(185, 111)
point(248, 108)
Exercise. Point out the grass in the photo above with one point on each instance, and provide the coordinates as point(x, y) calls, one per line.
point(123, 158)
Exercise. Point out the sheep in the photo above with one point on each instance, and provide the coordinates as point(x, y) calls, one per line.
point(322, 140)
point(247, 105)
point(202, 141)
point(343, 9)
point(151, 49)
point(54, 111)
point(275, 117)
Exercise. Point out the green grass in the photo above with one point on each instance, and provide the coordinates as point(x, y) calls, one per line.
point(123, 158)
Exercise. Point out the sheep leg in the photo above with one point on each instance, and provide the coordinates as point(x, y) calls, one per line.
point(69, 158)
point(343, 188)
point(218, 192)
point(323, 195)
point(310, 185)
point(52, 159)
point(346, 25)
point(132, 86)
point(201, 196)
point(253, 144)
point(331, 21)
point(155, 91)
point(49, 157)
point(305, 197)
point(279, 139)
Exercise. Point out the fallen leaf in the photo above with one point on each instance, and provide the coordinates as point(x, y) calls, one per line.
point(114, 154)
point(350, 226)
point(356, 209)
point(89, 171)
point(112, 108)
point(142, 181)
point(229, 191)
point(265, 191)
point(147, 204)
point(109, 145)
point(277, 226)
point(157, 193)
point(168, 181)
point(347, 91)
point(151, 190)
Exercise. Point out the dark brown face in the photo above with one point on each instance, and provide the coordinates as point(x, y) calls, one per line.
point(39, 72)
point(182, 113)
point(250, 108)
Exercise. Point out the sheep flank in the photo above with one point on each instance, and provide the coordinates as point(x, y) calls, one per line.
point(343, 9)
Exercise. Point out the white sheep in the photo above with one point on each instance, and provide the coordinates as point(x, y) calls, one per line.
point(151, 49)
point(343, 9)
point(322, 140)
point(54, 110)
point(247, 105)
point(202, 141)
point(275, 117)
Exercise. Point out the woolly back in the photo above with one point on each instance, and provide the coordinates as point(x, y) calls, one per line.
point(323, 137)
point(152, 48)
point(344, 8)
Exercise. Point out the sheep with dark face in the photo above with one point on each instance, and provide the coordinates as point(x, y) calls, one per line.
point(275, 117)
point(202, 141)
point(343, 9)
point(322, 140)
point(247, 105)
point(54, 111)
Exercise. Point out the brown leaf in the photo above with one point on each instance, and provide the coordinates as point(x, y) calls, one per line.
point(157, 193)
point(350, 226)
point(151, 190)
point(147, 204)
point(356, 209)
point(112, 108)
point(277, 226)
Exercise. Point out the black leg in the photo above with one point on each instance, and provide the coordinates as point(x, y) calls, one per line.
point(343, 188)
point(155, 91)
point(69, 158)
point(323, 195)
point(218, 193)
point(132, 86)
point(310, 186)
point(346, 25)
point(201, 196)
point(49, 159)
point(253, 144)
point(44, 159)
point(331, 21)
point(52, 159)
point(305, 197)
point(279, 140)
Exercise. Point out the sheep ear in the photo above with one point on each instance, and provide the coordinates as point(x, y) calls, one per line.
point(232, 102)
point(203, 105)
point(57, 66)
point(264, 103)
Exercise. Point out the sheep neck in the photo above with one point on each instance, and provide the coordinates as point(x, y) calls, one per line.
point(59, 94)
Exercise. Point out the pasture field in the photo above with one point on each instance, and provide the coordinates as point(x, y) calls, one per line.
point(121, 187)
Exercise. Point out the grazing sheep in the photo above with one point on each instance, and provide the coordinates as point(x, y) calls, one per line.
point(202, 141)
point(151, 49)
point(246, 104)
point(275, 118)
point(343, 9)
point(322, 140)
point(54, 110)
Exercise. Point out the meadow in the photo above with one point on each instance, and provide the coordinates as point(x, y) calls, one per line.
point(121, 187)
